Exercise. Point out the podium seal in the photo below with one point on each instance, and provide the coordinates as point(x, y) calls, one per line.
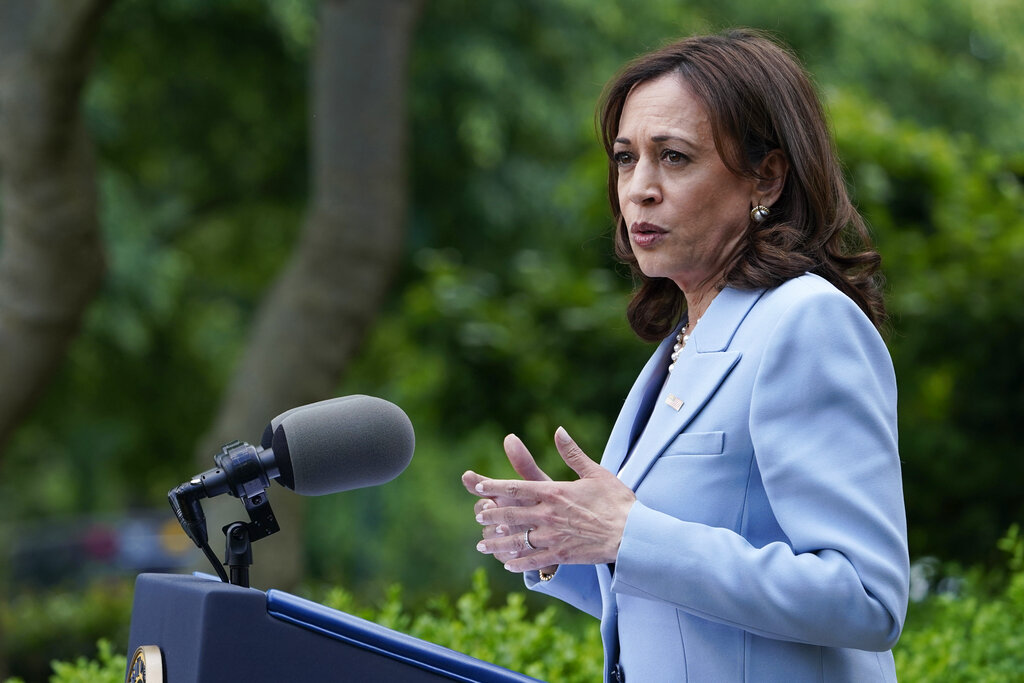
point(146, 666)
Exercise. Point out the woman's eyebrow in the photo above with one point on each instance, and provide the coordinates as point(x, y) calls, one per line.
point(657, 138)
point(666, 138)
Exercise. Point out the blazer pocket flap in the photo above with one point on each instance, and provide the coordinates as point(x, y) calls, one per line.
point(697, 443)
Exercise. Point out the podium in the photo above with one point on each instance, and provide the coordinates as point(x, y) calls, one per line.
point(206, 631)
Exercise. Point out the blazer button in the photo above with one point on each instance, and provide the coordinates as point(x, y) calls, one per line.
point(618, 675)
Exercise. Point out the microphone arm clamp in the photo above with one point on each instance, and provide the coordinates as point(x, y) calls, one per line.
point(242, 463)
point(241, 473)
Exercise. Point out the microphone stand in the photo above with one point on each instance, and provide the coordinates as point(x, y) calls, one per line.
point(238, 537)
point(238, 553)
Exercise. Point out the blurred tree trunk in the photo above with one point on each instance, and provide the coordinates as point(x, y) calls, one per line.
point(51, 257)
point(320, 308)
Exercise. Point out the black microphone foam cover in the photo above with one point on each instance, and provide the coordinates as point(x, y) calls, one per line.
point(341, 444)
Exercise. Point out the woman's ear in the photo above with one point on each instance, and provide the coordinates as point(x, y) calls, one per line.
point(772, 170)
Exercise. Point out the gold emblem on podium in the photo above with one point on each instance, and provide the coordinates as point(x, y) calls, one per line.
point(147, 665)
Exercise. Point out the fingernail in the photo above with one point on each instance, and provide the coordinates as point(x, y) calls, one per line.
point(480, 518)
point(487, 505)
point(508, 567)
point(500, 530)
point(562, 436)
point(481, 546)
point(480, 487)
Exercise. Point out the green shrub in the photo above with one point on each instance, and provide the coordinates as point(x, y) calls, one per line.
point(106, 668)
point(39, 627)
point(974, 634)
point(507, 635)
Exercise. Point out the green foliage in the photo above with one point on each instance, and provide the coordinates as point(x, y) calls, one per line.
point(400, 534)
point(107, 667)
point(945, 64)
point(973, 635)
point(62, 624)
point(539, 644)
point(198, 111)
point(949, 219)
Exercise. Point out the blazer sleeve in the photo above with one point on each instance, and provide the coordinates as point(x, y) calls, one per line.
point(823, 427)
point(575, 584)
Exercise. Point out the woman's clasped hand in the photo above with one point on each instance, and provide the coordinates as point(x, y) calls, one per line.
point(565, 522)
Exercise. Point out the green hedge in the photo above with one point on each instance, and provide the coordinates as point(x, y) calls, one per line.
point(969, 629)
point(38, 627)
point(972, 634)
point(539, 645)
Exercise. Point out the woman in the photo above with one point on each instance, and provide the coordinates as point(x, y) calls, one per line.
point(746, 521)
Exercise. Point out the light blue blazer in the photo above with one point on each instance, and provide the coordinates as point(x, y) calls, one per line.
point(768, 539)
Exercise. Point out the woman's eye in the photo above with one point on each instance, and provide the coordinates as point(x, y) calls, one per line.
point(673, 156)
point(622, 158)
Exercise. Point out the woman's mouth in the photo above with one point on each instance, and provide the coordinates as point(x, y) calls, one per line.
point(646, 234)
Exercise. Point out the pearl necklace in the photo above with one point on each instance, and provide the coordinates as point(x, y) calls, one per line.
point(681, 340)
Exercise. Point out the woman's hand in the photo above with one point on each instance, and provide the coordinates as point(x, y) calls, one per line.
point(570, 522)
point(526, 467)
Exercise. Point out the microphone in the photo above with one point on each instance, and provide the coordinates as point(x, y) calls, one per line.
point(331, 446)
point(340, 444)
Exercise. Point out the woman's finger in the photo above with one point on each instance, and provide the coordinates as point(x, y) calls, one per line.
point(470, 479)
point(574, 456)
point(539, 560)
point(519, 491)
point(522, 461)
point(525, 516)
point(501, 531)
point(514, 545)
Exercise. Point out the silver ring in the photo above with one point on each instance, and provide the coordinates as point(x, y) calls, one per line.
point(526, 539)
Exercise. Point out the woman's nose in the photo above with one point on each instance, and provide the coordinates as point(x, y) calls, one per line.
point(644, 187)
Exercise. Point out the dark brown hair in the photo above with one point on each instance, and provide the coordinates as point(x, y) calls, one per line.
point(758, 98)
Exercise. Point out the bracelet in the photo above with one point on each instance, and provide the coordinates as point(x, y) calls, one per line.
point(546, 576)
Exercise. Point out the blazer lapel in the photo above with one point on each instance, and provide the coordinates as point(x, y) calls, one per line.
point(627, 425)
point(701, 376)
point(700, 370)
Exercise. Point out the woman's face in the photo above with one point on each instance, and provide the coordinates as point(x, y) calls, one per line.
point(684, 210)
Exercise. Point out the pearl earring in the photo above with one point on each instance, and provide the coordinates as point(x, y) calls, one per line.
point(759, 213)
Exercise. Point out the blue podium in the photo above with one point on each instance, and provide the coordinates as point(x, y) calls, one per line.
point(198, 630)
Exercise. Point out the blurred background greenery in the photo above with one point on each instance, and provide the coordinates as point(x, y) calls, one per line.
point(507, 310)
